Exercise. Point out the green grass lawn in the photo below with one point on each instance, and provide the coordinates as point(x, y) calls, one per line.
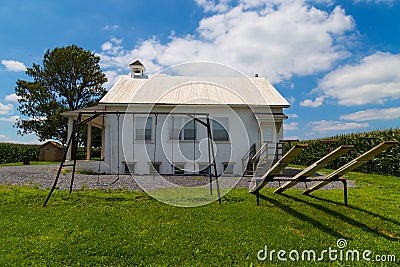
point(120, 228)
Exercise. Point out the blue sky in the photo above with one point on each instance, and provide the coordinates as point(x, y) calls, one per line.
point(337, 62)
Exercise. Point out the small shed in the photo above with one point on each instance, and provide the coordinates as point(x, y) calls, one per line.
point(51, 151)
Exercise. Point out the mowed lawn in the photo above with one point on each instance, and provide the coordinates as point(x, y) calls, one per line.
point(121, 228)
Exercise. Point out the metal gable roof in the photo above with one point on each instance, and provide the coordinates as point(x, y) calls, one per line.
point(162, 89)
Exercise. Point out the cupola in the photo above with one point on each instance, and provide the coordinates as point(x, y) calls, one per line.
point(137, 69)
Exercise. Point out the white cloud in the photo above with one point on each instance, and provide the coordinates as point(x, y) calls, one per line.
point(13, 65)
point(373, 114)
point(312, 103)
point(329, 126)
point(6, 109)
point(40, 118)
point(10, 119)
point(26, 139)
point(112, 78)
point(292, 38)
point(290, 126)
point(112, 47)
point(253, 3)
point(375, 1)
point(292, 116)
point(107, 46)
point(291, 100)
point(12, 98)
point(374, 80)
point(292, 137)
point(115, 58)
point(213, 5)
point(110, 27)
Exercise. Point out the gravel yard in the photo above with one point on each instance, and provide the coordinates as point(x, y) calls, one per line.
point(43, 177)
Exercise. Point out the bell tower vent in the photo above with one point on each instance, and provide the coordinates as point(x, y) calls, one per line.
point(137, 70)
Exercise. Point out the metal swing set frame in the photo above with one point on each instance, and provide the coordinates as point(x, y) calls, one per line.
point(74, 136)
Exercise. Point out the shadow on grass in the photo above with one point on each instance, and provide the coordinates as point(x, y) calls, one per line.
point(342, 217)
point(303, 217)
point(383, 218)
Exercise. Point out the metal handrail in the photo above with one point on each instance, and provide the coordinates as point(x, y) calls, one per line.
point(247, 157)
point(260, 155)
point(261, 150)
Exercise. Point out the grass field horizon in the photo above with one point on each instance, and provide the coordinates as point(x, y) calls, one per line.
point(125, 228)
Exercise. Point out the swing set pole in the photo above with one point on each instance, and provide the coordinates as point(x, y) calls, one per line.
point(211, 147)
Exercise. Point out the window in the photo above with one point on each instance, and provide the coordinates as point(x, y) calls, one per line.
point(144, 129)
point(188, 132)
point(204, 169)
point(179, 168)
point(267, 135)
point(219, 131)
point(129, 168)
point(154, 167)
point(182, 129)
point(175, 127)
point(227, 168)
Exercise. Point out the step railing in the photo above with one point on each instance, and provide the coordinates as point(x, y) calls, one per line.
point(256, 159)
point(246, 159)
point(260, 156)
point(269, 153)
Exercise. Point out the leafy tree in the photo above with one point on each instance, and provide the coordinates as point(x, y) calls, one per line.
point(69, 78)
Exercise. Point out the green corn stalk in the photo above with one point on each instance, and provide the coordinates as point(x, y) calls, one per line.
point(387, 163)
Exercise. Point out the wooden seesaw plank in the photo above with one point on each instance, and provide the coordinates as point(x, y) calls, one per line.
point(258, 183)
point(316, 166)
point(334, 176)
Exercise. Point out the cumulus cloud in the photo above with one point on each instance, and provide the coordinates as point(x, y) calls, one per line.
point(12, 98)
point(6, 109)
point(40, 118)
point(292, 137)
point(312, 103)
point(375, 1)
point(213, 5)
point(13, 65)
point(3, 137)
point(276, 40)
point(329, 126)
point(373, 114)
point(115, 58)
point(110, 27)
point(290, 126)
point(10, 119)
point(106, 46)
point(375, 80)
point(112, 78)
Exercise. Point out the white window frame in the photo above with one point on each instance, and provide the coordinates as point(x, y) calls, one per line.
point(220, 121)
point(191, 123)
point(153, 168)
point(202, 169)
point(232, 164)
point(176, 124)
point(146, 118)
point(177, 128)
point(177, 165)
point(129, 167)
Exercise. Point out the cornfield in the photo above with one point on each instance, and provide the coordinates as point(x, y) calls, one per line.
point(10, 153)
point(387, 162)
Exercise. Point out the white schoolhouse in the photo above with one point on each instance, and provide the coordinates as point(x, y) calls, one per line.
point(152, 124)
